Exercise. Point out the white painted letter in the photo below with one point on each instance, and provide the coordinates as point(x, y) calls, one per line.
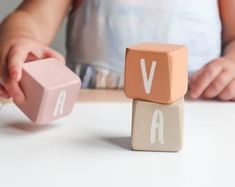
point(157, 123)
point(147, 81)
point(60, 103)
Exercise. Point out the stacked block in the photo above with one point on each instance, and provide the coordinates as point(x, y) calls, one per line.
point(50, 88)
point(156, 78)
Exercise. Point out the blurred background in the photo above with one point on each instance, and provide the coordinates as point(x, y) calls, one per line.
point(7, 6)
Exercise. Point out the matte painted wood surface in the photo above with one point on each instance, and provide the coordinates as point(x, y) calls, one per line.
point(157, 127)
point(50, 90)
point(156, 72)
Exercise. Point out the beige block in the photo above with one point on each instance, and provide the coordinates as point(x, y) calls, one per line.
point(157, 127)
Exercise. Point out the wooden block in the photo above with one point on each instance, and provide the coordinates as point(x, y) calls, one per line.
point(157, 127)
point(156, 72)
point(50, 88)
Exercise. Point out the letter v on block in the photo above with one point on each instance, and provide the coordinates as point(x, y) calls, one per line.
point(147, 80)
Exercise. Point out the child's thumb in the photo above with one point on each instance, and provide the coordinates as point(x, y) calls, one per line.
point(48, 52)
point(15, 61)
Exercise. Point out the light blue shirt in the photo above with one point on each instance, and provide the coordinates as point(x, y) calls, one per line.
point(100, 30)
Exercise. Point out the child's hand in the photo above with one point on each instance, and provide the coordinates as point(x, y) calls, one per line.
point(13, 54)
point(216, 79)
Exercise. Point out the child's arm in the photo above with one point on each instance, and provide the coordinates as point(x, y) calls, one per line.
point(217, 79)
point(25, 35)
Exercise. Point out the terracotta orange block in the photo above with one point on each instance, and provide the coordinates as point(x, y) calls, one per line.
point(51, 90)
point(156, 72)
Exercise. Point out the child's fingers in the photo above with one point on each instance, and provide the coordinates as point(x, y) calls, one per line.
point(209, 73)
point(42, 53)
point(217, 85)
point(48, 52)
point(3, 92)
point(3, 57)
point(196, 75)
point(35, 54)
point(15, 60)
point(15, 91)
point(229, 92)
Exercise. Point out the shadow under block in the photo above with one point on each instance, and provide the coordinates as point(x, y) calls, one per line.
point(156, 72)
point(157, 127)
point(51, 90)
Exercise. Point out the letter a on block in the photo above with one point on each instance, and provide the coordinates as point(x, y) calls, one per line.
point(157, 123)
point(147, 80)
point(60, 103)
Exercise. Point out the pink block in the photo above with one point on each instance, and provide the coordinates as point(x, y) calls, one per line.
point(51, 90)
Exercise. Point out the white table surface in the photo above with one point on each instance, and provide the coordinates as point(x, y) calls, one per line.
point(91, 147)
